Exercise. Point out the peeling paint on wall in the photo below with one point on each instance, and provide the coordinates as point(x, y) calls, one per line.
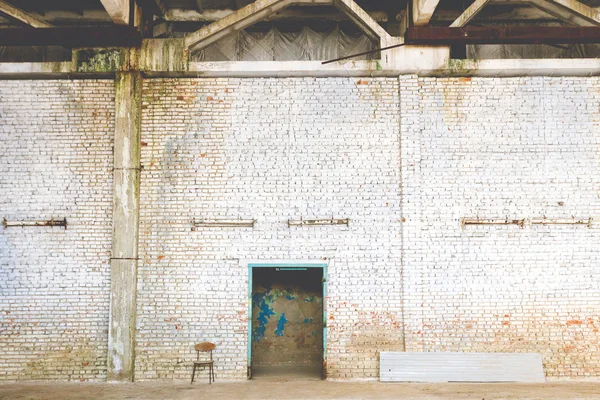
point(287, 315)
point(281, 324)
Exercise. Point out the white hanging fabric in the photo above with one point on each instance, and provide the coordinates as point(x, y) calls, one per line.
point(285, 46)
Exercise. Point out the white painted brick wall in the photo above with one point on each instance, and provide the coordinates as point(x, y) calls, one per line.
point(274, 149)
point(56, 161)
point(502, 148)
point(270, 149)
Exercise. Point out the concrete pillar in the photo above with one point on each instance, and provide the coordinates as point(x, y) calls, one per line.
point(124, 261)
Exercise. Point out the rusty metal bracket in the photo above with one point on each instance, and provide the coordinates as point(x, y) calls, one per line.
point(312, 222)
point(50, 222)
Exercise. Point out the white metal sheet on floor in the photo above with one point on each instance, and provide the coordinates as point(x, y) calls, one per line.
point(460, 367)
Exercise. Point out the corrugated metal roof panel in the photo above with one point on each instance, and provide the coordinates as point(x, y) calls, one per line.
point(460, 367)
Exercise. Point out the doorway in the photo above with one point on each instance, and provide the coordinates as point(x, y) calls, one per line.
point(286, 331)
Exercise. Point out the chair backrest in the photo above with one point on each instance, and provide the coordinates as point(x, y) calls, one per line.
point(204, 347)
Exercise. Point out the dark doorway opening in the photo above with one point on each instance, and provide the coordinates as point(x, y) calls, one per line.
point(287, 322)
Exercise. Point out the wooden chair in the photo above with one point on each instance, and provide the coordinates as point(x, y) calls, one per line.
point(204, 347)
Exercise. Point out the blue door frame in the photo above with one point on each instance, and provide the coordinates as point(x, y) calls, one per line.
point(291, 266)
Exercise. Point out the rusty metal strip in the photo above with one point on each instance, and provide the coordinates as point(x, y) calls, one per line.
point(491, 221)
point(502, 35)
point(312, 222)
point(524, 221)
point(50, 222)
point(562, 221)
point(223, 223)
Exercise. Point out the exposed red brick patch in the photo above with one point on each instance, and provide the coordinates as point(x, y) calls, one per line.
point(574, 322)
point(361, 82)
point(209, 98)
point(160, 257)
point(465, 79)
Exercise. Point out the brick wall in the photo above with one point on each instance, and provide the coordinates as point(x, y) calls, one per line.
point(502, 148)
point(270, 149)
point(56, 161)
point(404, 159)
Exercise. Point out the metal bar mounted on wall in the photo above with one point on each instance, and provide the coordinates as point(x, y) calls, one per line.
point(312, 222)
point(524, 221)
point(223, 223)
point(290, 269)
point(50, 222)
point(562, 221)
point(491, 221)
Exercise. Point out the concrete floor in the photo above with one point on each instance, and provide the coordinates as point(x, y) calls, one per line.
point(287, 372)
point(297, 389)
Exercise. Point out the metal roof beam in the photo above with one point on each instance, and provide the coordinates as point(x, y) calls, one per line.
point(442, 36)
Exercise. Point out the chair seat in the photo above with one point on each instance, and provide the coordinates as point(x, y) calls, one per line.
point(203, 362)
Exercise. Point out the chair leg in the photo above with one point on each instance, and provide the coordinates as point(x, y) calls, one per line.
point(193, 373)
point(213, 372)
point(209, 374)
